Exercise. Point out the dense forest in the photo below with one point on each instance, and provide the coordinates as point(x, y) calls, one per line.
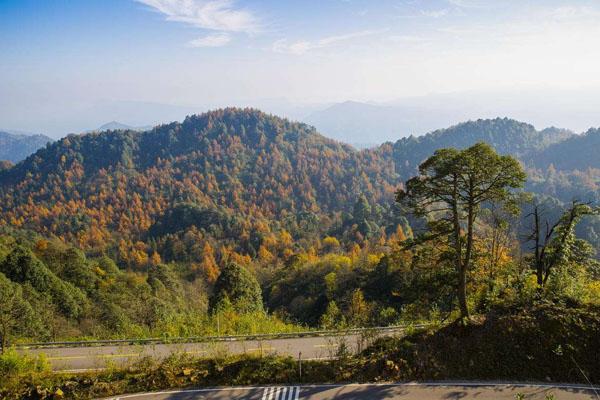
point(243, 217)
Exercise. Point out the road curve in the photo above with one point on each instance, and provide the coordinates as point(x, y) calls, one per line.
point(400, 391)
point(97, 357)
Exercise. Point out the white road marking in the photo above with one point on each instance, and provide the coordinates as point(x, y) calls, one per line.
point(281, 393)
point(267, 394)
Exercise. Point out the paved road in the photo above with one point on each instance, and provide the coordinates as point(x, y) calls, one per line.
point(426, 391)
point(82, 358)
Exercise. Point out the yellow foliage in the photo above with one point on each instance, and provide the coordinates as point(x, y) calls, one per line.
point(264, 255)
point(355, 251)
point(338, 260)
point(592, 292)
point(41, 245)
point(285, 238)
point(287, 253)
point(155, 259)
point(209, 265)
point(373, 259)
point(330, 243)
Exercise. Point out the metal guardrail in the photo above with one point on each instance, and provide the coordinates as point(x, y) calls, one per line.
point(200, 339)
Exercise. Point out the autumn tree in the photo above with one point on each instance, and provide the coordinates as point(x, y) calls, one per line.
point(209, 264)
point(358, 309)
point(450, 190)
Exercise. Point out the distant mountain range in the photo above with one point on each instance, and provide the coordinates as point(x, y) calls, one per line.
point(577, 152)
point(117, 126)
point(247, 170)
point(15, 147)
point(364, 122)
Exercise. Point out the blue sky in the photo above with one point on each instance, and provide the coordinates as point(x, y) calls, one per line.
point(64, 55)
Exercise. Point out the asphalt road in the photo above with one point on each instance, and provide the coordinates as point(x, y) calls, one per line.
point(83, 358)
point(425, 391)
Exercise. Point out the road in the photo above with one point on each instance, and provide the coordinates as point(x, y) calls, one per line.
point(403, 391)
point(97, 357)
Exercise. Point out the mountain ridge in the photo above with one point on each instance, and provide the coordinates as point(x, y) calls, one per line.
point(256, 173)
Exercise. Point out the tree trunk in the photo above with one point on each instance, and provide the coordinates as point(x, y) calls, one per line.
point(462, 294)
point(458, 261)
point(3, 342)
point(539, 271)
point(462, 285)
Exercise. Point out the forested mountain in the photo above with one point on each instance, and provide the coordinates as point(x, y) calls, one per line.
point(135, 223)
point(16, 147)
point(263, 178)
point(505, 135)
point(234, 177)
point(579, 152)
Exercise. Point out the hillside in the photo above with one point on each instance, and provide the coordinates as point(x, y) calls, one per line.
point(239, 178)
point(505, 135)
point(159, 214)
point(578, 152)
point(260, 173)
point(16, 147)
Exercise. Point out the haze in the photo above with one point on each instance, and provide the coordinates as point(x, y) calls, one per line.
point(69, 66)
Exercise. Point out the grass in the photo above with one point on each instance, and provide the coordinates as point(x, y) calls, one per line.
point(537, 343)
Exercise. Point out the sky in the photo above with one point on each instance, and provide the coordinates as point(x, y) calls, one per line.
point(68, 65)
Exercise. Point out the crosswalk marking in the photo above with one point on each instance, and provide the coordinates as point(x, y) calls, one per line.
point(281, 393)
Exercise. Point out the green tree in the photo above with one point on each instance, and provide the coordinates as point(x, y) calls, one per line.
point(362, 216)
point(450, 189)
point(22, 266)
point(332, 318)
point(238, 286)
point(555, 244)
point(15, 311)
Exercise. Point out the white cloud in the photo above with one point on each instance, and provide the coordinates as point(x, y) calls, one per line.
point(214, 15)
point(217, 40)
point(472, 3)
point(434, 13)
point(571, 12)
point(303, 46)
point(425, 13)
point(408, 38)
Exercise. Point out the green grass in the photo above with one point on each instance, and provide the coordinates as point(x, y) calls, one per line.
point(545, 342)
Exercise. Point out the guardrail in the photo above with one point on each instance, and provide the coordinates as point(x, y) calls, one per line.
point(200, 339)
